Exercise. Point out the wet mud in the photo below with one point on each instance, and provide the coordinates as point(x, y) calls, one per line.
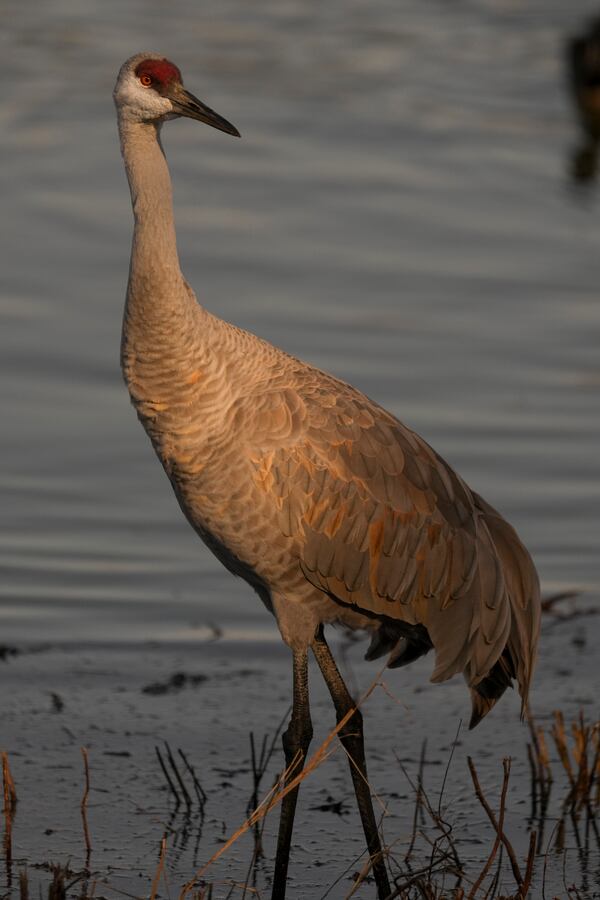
point(182, 741)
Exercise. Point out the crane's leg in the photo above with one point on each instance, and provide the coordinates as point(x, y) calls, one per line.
point(296, 741)
point(351, 736)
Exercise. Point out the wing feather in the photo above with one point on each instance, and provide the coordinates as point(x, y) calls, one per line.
point(380, 522)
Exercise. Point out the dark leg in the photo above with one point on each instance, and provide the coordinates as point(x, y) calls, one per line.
point(295, 745)
point(351, 736)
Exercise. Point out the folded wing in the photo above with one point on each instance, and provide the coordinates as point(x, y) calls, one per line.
point(386, 526)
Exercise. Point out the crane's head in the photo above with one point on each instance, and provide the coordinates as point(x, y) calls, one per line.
point(149, 88)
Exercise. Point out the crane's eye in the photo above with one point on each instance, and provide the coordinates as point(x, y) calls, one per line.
point(146, 80)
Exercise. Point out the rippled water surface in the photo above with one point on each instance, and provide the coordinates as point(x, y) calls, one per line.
point(398, 212)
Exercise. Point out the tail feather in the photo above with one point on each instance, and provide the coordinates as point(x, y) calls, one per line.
point(519, 631)
point(488, 691)
point(524, 594)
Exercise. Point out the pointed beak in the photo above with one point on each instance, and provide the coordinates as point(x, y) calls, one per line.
point(185, 104)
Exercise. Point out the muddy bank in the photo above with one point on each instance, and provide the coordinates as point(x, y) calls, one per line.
point(122, 701)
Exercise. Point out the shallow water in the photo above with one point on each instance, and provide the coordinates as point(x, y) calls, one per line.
point(123, 700)
point(398, 212)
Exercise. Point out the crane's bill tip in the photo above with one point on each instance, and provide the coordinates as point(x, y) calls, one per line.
point(186, 104)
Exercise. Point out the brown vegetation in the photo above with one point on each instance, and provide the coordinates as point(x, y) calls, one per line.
point(426, 864)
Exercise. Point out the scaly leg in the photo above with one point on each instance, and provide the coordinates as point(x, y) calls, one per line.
point(296, 741)
point(351, 736)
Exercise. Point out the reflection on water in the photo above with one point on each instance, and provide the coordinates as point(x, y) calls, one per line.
point(583, 57)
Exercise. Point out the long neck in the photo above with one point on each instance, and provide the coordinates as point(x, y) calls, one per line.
point(156, 287)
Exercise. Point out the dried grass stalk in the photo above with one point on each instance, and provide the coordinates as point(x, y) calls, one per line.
point(499, 829)
point(159, 868)
point(9, 806)
point(523, 884)
point(84, 802)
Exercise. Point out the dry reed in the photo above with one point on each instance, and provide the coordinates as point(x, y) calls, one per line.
point(578, 750)
point(9, 807)
point(84, 803)
point(523, 882)
point(581, 760)
point(198, 789)
point(159, 868)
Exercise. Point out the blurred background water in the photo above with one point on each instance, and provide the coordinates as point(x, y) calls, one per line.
point(398, 212)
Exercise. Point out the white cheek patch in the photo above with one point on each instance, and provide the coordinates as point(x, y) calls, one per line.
point(138, 103)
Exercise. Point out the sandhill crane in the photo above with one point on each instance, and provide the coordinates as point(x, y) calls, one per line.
point(326, 504)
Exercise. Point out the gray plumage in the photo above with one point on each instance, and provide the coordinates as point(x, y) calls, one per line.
point(331, 508)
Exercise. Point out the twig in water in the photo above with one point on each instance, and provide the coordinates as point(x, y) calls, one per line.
point(10, 804)
point(541, 776)
point(343, 874)
point(448, 764)
point(421, 879)
point(259, 767)
point(159, 868)
point(184, 790)
point(499, 831)
point(529, 865)
point(493, 888)
point(539, 753)
point(84, 801)
point(56, 889)
point(368, 866)
point(444, 827)
point(172, 787)
point(522, 884)
point(8, 782)
point(560, 739)
point(23, 885)
point(200, 792)
point(418, 803)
